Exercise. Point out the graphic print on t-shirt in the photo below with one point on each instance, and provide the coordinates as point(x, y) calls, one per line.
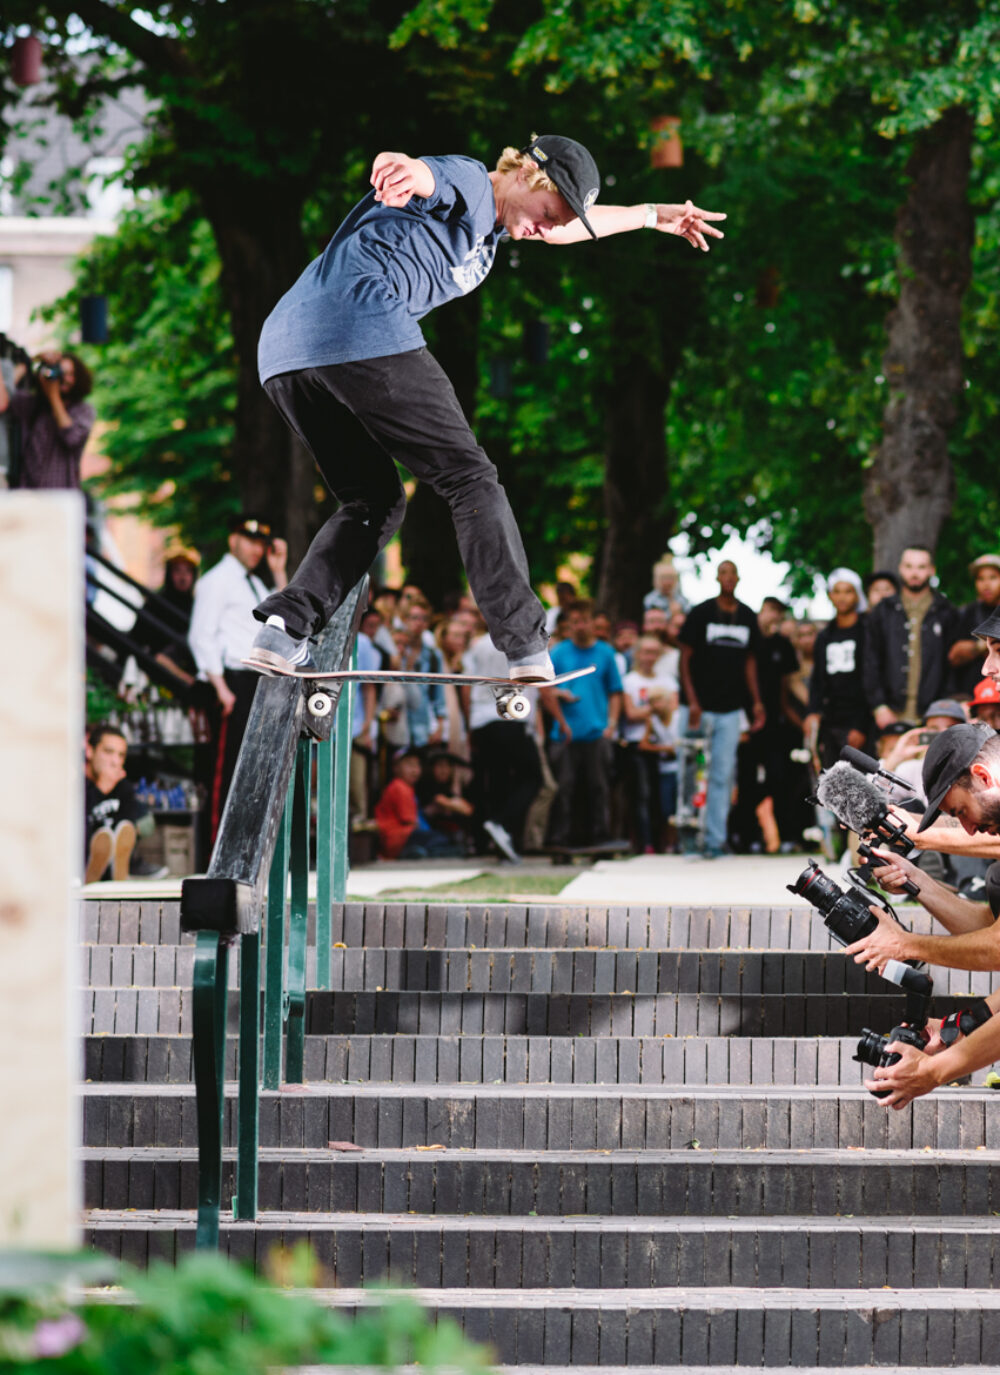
point(475, 266)
point(738, 636)
point(840, 656)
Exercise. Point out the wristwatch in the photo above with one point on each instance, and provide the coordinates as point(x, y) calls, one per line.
point(651, 216)
point(964, 1023)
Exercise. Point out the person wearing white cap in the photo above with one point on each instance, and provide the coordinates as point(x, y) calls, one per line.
point(343, 358)
point(839, 714)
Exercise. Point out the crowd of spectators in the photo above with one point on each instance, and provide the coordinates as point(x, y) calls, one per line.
point(700, 729)
point(754, 701)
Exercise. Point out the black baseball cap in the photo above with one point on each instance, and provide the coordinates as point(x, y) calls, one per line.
point(990, 628)
point(572, 169)
point(948, 757)
point(252, 526)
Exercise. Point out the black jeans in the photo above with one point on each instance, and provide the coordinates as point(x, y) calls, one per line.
point(355, 418)
point(507, 775)
point(584, 765)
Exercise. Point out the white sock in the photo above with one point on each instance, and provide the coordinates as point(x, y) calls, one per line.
point(279, 621)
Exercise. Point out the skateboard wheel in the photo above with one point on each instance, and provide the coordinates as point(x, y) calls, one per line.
point(320, 704)
point(515, 708)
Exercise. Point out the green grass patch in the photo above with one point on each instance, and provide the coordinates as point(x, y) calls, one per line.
point(497, 886)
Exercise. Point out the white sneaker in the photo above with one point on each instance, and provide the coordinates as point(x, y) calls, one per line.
point(531, 673)
point(500, 837)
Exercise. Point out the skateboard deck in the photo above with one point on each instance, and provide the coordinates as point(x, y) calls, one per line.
point(512, 704)
point(394, 675)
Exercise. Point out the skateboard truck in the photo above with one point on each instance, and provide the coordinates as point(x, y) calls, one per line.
point(511, 704)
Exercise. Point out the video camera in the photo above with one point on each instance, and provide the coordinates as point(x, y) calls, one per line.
point(863, 807)
point(848, 917)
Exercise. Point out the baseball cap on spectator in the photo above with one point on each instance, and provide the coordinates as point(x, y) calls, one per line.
point(948, 757)
point(897, 728)
point(990, 628)
point(945, 706)
point(986, 694)
point(984, 561)
point(252, 526)
point(572, 169)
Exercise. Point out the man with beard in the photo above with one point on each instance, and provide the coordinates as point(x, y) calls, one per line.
point(907, 641)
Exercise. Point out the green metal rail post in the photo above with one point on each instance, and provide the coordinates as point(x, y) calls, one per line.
point(299, 916)
point(274, 950)
point(343, 743)
point(245, 1198)
point(211, 969)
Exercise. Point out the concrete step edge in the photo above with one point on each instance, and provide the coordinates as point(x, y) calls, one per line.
point(814, 1157)
point(164, 1218)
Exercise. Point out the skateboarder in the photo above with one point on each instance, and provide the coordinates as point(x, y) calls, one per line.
point(343, 359)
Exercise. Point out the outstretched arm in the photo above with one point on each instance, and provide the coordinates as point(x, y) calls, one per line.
point(686, 221)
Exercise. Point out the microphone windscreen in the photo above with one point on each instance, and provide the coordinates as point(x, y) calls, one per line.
point(852, 800)
point(861, 761)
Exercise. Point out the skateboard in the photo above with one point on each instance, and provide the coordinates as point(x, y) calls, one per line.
point(512, 705)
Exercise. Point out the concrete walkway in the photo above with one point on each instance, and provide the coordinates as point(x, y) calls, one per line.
point(732, 881)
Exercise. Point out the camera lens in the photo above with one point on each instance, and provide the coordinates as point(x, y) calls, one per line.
point(871, 1048)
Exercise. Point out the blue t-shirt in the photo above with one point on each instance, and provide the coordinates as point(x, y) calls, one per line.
point(587, 717)
point(383, 270)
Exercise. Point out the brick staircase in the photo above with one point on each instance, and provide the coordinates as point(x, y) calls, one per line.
point(617, 1138)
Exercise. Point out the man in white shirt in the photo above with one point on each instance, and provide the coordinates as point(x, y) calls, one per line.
point(222, 632)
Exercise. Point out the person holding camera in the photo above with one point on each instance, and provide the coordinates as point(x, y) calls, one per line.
point(961, 777)
point(222, 631)
point(55, 420)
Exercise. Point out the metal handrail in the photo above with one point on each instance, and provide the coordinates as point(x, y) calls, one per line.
point(156, 599)
point(264, 835)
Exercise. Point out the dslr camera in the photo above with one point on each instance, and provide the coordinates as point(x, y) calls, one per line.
point(848, 917)
point(52, 372)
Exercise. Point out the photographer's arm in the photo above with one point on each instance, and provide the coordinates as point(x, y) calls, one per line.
point(975, 944)
point(916, 1073)
point(956, 914)
point(947, 836)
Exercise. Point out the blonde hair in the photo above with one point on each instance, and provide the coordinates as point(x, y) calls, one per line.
point(512, 160)
point(659, 700)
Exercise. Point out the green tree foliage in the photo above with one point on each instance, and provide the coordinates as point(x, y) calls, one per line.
point(166, 383)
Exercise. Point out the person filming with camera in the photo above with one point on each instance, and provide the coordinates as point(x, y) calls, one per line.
point(961, 777)
point(55, 419)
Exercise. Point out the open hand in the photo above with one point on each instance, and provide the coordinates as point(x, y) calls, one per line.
point(688, 222)
point(882, 944)
point(277, 555)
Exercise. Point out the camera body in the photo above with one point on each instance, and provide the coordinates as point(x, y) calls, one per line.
point(846, 915)
point(872, 1048)
point(52, 372)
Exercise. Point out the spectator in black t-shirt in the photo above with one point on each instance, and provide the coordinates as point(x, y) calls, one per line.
point(719, 644)
point(839, 713)
point(762, 765)
point(113, 814)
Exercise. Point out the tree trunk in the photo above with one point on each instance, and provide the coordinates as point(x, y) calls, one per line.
point(429, 548)
point(635, 487)
point(910, 488)
point(262, 253)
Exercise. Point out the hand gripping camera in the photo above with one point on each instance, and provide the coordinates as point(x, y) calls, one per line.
point(848, 917)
